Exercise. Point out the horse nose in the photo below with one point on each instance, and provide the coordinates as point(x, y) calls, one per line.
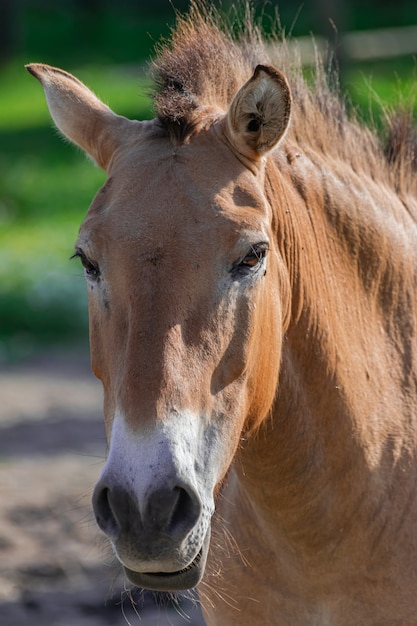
point(170, 512)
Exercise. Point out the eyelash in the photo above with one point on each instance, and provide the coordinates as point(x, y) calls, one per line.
point(91, 268)
point(252, 260)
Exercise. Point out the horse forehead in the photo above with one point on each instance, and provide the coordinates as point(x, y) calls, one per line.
point(187, 192)
point(202, 164)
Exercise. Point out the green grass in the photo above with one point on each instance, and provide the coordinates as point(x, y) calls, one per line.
point(375, 85)
point(47, 185)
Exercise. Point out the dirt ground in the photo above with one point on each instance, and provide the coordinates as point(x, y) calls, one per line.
point(56, 569)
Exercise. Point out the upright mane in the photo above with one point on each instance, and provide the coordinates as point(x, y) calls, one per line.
point(201, 67)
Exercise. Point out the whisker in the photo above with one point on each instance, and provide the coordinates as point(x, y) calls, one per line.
point(203, 595)
point(224, 596)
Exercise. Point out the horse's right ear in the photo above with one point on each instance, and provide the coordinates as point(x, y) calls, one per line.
point(80, 115)
point(259, 114)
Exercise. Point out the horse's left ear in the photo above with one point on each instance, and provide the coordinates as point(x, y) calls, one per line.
point(260, 113)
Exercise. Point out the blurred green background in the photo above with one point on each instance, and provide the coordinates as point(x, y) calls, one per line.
point(46, 186)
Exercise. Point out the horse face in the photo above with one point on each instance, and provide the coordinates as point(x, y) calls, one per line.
point(187, 297)
point(179, 253)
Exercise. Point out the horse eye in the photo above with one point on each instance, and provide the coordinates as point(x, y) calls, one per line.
point(91, 268)
point(253, 259)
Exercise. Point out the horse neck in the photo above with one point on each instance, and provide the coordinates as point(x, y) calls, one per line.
point(344, 421)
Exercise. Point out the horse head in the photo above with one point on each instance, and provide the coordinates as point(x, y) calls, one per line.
point(188, 302)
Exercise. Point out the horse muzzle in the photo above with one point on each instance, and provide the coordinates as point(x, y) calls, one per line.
point(164, 546)
point(150, 506)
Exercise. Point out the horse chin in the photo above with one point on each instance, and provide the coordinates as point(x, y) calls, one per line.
point(184, 579)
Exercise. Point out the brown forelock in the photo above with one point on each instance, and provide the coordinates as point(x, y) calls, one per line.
point(200, 69)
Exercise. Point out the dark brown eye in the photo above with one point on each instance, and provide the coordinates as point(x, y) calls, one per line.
point(253, 259)
point(91, 268)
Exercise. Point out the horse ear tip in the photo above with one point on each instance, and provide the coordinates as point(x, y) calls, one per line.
point(33, 69)
point(39, 69)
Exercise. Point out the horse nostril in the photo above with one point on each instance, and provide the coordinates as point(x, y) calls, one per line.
point(105, 516)
point(174, 512)
point(186, 512)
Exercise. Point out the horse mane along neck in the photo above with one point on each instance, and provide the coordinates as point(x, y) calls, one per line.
point(200, 69)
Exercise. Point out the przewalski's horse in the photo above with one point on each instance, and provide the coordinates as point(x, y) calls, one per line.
point(252, 292)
